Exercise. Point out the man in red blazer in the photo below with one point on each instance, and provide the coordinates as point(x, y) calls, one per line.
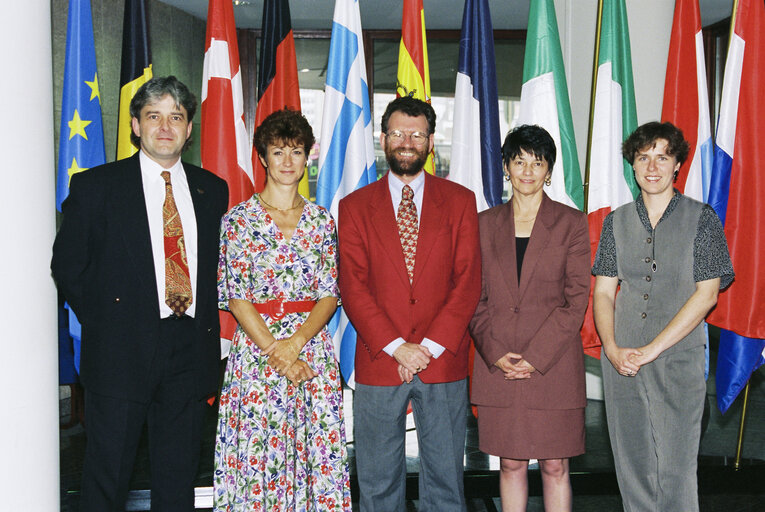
point(410, 279)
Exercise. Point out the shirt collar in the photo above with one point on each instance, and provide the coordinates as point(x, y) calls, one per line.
point(151, 168)
point(396, 186)
point(643, 212)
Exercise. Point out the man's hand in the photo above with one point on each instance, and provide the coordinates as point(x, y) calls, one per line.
point(406, 375)
point(413, 357)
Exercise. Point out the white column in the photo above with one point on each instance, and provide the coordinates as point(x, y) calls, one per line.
point(29, 471)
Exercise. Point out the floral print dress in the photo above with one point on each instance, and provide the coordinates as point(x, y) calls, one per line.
point(279, 447)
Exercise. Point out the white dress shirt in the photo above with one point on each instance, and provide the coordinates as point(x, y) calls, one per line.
point(396, 186)
point(154, 193)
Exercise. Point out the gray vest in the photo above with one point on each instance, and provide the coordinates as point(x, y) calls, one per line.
point(650, 296)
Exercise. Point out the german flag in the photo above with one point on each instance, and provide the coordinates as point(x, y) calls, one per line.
point(136, 69)
point(413, 78)
point(278, 86)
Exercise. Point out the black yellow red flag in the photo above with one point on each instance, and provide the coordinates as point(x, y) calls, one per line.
point(136, 69)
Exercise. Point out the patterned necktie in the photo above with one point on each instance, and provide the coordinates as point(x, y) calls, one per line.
point(407, 228)
point(177, 280)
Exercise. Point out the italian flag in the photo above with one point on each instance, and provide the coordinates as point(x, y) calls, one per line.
point(544, 101)
point(611, 181)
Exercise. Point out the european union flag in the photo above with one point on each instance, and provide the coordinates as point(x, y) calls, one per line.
point(81, 141)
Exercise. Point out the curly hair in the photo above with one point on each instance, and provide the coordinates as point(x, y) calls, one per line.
point(286, 127)
point(645, 136)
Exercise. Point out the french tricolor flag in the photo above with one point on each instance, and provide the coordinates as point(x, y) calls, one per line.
point(476, 150)
point(737, 191)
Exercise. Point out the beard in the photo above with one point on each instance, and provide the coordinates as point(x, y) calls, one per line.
point(406, 167)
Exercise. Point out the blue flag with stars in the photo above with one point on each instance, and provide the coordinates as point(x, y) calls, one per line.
point(81, 140)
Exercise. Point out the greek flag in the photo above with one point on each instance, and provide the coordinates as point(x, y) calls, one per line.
point(346, 158)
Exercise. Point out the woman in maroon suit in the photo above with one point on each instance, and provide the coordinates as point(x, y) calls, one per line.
point(528, 382)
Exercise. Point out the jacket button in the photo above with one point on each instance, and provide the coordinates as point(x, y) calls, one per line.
point(414, 331)
point(412, 301)
point(645, 296)
point(648, 278)
point(116, 299)
point(648, 240)
point(647, 259)
point(643, 315)
point(517, 309)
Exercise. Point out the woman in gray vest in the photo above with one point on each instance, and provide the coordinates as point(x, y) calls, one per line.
point(668, 256)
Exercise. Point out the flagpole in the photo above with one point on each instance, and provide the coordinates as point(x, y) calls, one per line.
point(592, 107)
point(742, 421)
point(740, 442)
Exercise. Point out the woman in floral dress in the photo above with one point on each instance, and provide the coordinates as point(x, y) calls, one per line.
point(281, 438)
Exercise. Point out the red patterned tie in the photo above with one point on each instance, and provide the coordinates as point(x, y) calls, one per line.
point(407, 228)
point(177, 280)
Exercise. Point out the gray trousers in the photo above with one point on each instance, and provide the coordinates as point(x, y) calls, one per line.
point(654, 421)
point(440, 415)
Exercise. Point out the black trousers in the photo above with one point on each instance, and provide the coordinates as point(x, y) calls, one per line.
point(174, 419)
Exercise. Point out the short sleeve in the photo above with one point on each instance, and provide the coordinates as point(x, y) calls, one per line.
point(711, 258)
point(233, 263)
point(326, 276)
point(605, 258)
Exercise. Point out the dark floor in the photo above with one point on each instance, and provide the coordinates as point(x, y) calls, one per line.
point(594, 484)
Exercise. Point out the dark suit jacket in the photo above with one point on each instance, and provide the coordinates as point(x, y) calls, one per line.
point(375, 288)
point(541, 316)
point(102, 262)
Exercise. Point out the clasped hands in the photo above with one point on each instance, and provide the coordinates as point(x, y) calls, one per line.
point(283, 357)
point(412, 358)
point(514, 366)
point(628, 361)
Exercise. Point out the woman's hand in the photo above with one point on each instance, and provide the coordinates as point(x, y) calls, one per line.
point(624, 360)
point(283, 354)
point(299, 372)
point(514, 366)
point(649, 353)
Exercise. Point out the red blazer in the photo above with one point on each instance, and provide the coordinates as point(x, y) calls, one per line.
point(375, 288)
point(539, 317)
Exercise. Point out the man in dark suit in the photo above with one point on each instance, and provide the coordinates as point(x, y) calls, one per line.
point(136, 258)
point(410, 280)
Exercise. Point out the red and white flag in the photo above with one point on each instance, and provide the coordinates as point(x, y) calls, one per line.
point(225, 144)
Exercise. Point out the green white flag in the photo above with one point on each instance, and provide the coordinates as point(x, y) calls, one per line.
point(611, 181)
point(544, 101)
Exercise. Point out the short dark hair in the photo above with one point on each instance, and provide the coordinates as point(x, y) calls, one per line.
point(285, 126)
point(532, 139)
point(645, 136)
point(156, 89)
point(411, 107)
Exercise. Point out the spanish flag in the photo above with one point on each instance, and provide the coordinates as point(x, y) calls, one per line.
point(136, 69)
point(413, 78)
point(278, 86)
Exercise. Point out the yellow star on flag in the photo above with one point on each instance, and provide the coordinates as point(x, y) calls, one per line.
point(77, 126)
point(74, 169)
point(94, 92)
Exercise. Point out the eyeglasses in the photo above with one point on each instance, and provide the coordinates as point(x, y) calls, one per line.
point(417, 138)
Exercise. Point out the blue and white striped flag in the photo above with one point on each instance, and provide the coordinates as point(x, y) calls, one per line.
point(346, 157)
point(476, 149)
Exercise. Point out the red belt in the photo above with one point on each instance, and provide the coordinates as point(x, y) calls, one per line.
point(276, 309)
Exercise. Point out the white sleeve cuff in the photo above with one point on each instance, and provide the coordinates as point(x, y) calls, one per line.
point(391, 347)
point(434, 347)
